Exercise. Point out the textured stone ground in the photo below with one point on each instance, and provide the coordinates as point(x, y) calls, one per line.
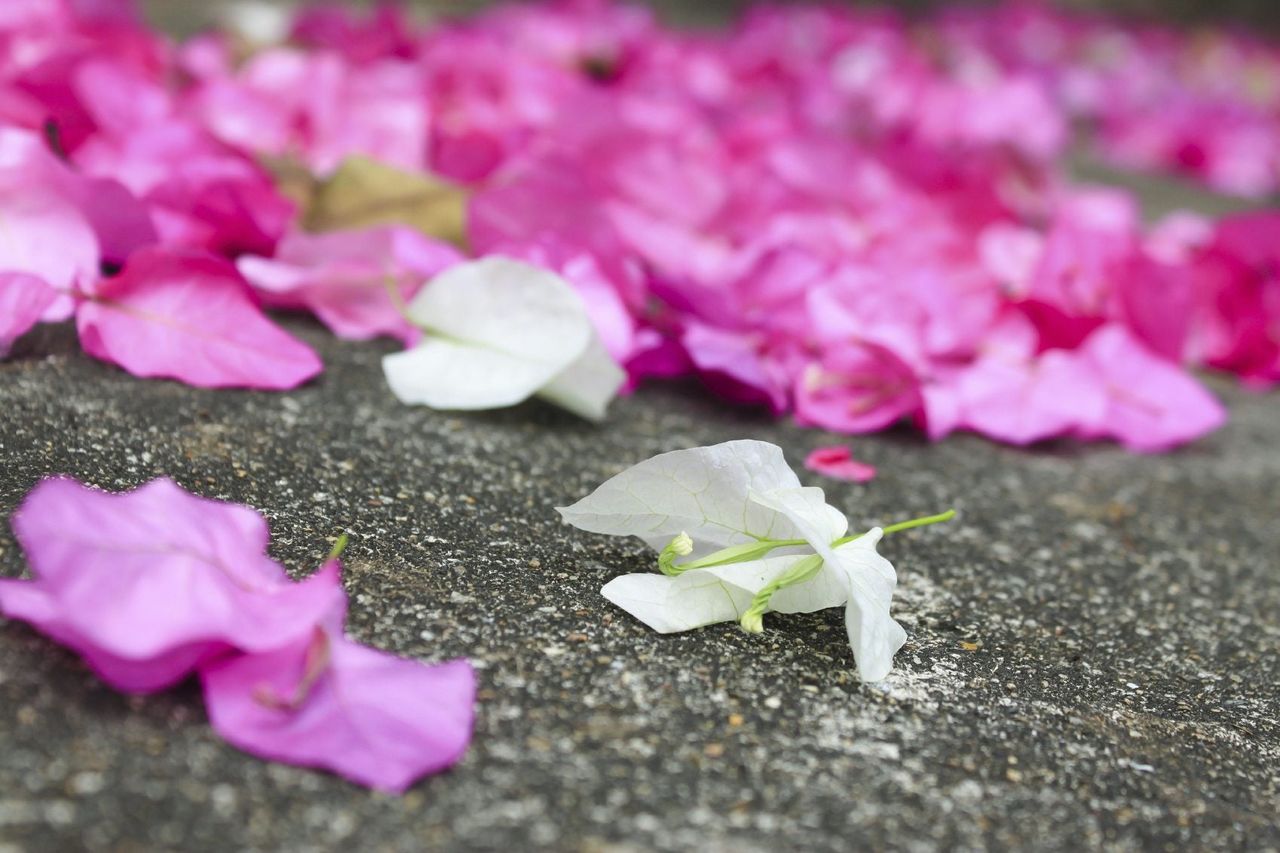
point(1093, 656)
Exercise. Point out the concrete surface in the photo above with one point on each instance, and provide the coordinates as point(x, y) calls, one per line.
point(1092, 663)
point(1093, 660)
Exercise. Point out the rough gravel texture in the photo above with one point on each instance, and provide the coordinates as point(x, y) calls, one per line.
point(1094, 658)
point(1093, 662)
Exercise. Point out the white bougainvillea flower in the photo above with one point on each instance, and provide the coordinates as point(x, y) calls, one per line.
point(754, 541)
point(498, 331)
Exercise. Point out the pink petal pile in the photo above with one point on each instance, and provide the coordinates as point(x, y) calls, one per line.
point(155, 585)
point(1205, 104)
point(828, 212)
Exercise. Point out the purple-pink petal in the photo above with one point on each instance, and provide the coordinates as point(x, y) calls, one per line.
point(147, 584)
point(377, 719)
point(345, 277)
point(189, 316)
point(23, 301)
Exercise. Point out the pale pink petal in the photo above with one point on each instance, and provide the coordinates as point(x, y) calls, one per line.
point(857, 388)
point(1010, 253)
point(345, 277)
point(734, 365)
point(46, 235)
point(1022, 402)
point(23, 301)
point(49, 203)
point(940, 409)
point(189, 316)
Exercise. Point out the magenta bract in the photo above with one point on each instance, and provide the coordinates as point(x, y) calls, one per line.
point(149, 584)
point(152, 585)
point(189, 316)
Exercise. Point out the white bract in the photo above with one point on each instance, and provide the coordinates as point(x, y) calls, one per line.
point(259, 22)
point(741, 501)
point(498, 331)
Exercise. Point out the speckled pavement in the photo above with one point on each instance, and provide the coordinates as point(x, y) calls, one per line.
point(1093, 659)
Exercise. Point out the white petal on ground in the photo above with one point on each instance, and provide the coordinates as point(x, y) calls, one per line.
point(869, 578)
point(508, 306)
point(586, 386)
point(443, 374)
point(499, 331)
point(720, 593)
point(806, 507)
point(670, 604)
point(828, 588)
point(874, 636)
point(701, 491)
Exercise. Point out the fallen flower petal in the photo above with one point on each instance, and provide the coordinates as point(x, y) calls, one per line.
point(62, 223)
point(870, 579)
point(497, 332)
point(377, 719)
point(587, 385)
point(1151, 404)
point(838, 462)
point(1025, 401)
point(152, 584)
point(189, 316)
point(724, 593)
point(741, 497)
point(23, 301)
point(702, 492)
point(353, 281)
point(46, 236)
point(148, 584)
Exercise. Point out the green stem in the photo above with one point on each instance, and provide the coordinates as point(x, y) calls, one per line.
point(923, 521)
point(743, 553)
point(756, 550)
point(802, 570)
point(338, 547)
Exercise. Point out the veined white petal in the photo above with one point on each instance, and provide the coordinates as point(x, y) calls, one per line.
point(825, 589)
point(670, 604)
point(828, 588)
point(807, 509)
point(874, 636)
point(701, 491)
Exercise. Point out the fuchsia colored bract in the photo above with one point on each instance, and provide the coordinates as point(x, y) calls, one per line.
point(152, 585)
point(24, 299)
point(838, 462)
point(189, 316)
point(829, 212)
point(328, 702)
point(343, 277)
